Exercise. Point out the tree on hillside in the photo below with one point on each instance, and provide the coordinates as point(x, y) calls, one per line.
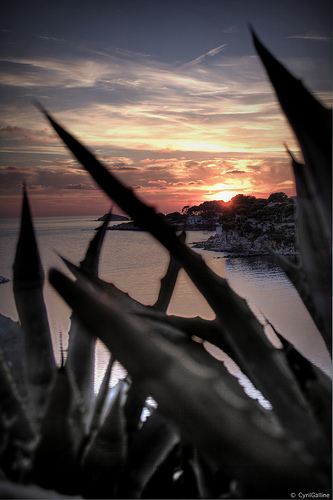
point(216, 206)
point(277, 197)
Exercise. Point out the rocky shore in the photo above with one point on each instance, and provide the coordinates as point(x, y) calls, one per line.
point(245, 226)
point(130, 226)
point(251, 244)
point(125, 226)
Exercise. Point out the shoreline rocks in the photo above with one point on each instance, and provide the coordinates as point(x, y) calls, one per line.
point(242, 246)
point(125, 226)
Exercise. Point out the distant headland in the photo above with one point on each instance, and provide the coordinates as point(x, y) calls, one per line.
point(113, 217)
point(244, 226)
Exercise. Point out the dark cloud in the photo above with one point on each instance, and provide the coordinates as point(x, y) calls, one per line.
point(12, 130)
point(27, 135)
point(191, 164)
point(83, 187)
point(36, 187)
point(123, 168)
point(235, 171)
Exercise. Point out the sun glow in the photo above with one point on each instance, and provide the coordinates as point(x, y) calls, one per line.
point(223, 192)
point(226, 195)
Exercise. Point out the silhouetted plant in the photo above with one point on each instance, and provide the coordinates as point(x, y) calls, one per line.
point(206, 438)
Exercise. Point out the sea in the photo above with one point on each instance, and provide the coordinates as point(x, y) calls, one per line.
point(135, 263)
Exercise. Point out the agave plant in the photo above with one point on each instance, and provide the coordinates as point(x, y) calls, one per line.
point(206, 438)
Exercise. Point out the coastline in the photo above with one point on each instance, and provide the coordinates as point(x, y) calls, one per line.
point(232, 243)
point(245, 247)
point(130, 226)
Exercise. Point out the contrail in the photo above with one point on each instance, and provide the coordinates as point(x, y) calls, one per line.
point(210, 53)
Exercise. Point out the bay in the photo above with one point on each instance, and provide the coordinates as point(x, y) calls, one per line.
point(135, 263)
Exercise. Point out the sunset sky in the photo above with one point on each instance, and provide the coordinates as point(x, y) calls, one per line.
point(170, 95)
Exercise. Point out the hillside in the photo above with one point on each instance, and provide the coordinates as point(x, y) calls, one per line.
point(247, 225)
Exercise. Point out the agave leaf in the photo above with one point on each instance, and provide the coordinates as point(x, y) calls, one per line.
point(286, 401)
point(209, 330)
point(12, 346)
point(61, 436)
point(90, 262)
point(165, 479)
point(168, 282)
point(297, 276)
point(81, 345)
point(315, 384)
point(242, 328)
point(16, 430)
point(135, 403)
point(196, 397)
point(101, 397)
point(171, 327)
point(27, 491)
point(105, 453)
point(81, 361)
point(302, 367)
point(28, 293)
point(315, 260)
point(197, 478)
point(151, 446)
point(206, 484)
point(127, 302)
point(145, 216)
point(312, 124)
point(312, 278)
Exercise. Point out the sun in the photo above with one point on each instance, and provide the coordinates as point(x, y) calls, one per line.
point(223, 192)
point(226, 195)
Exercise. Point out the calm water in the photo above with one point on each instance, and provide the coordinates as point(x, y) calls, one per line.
point(134, 262)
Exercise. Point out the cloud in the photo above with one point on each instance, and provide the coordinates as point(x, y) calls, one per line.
point(117, 101)
point(230, 29)
point(158, 182)
point(167, 184)
point(313, 36)
point(49, 72)
point(146, 161)
point(122, 167)
point(28, 135)
point(37, 187)
point(51, 38)
point(210, 53)
point(174, 133)
point(12, 130)
point(83, 187)
point(235, 171)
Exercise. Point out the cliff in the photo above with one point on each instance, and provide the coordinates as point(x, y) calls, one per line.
point(252, 239)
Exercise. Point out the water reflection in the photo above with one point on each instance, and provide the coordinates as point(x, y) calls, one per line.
point(135, 263)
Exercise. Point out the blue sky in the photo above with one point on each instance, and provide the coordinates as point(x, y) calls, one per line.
point(170, 95)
